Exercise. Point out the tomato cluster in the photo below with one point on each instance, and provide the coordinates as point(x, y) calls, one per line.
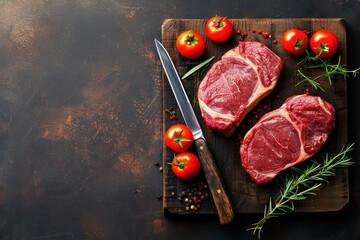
point(322, 43)
point(179, 138)
point(190, 44)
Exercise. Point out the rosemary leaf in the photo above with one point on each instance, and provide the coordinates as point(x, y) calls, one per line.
point(312, 81)
point(197, 67)
point(330, 70)
point(302, 183)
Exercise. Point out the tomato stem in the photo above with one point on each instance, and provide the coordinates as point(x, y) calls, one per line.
point(323, 47)
point(191, 39)
point(217, 23)
point(178, 139)
point(178, 164)
point(299, 43)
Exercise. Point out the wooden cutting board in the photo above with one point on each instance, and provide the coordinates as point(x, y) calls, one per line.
point(246, 196)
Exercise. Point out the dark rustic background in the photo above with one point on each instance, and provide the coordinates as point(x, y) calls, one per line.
point(80, 120)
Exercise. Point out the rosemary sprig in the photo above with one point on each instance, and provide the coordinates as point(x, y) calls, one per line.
point(330, 70)
point(198, 66)
point(301, 183)
point(312, 81)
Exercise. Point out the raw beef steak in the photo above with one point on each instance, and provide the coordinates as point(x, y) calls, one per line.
point(235, 84)
point(286, 136)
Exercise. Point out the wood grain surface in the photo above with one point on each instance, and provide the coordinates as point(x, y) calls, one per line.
point(246, 196)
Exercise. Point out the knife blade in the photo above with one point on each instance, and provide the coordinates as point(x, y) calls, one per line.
point(217, 188)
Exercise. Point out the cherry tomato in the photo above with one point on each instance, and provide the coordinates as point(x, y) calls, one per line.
point(295, 41)
point(324, 42)
point(218, 29)
point(179, 138)
point(190, 44)
point(185, 165)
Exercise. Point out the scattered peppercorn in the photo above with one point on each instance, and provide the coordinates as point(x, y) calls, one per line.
point(265, 35)
point(254, 116)
point(192, 198)
point(238, 32)
point(306, 32)
point(172, 113)
point(275, 41)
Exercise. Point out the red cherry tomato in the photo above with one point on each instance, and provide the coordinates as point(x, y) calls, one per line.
point(295, 41)
point(190, 44)
point(179, 138)
point(324, 42)
point(218, 29)
point(185, 165)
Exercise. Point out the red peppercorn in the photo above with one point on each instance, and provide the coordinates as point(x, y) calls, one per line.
point(253, 31)
point(238, 32)
point(265, 106)
point(241, 39)
point(275, 41)
point(306, 32)
point(266, 35)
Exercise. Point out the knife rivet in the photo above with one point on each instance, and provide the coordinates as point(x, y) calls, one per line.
point(218, 191)
point(201, 147)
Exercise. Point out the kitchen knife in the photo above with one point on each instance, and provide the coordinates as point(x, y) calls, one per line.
point(212, 174)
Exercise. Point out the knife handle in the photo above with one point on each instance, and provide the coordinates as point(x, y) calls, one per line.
point(216, 185)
